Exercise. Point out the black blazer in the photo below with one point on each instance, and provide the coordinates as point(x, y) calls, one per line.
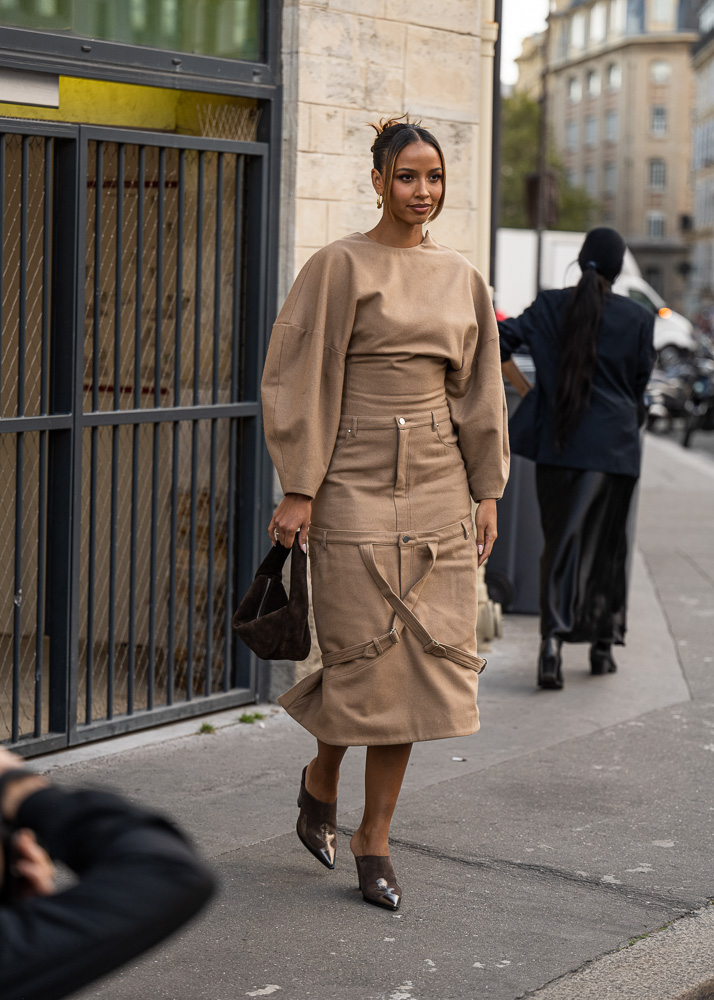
point(139, 880)
point(606, 438)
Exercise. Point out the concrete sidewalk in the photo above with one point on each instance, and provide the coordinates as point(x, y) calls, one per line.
point(576, 821)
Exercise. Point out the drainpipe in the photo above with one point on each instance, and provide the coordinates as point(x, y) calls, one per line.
point(496, 143)
point(489, 34)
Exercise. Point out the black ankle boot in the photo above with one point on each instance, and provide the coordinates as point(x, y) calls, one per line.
point(550, 664)
point(601, 661)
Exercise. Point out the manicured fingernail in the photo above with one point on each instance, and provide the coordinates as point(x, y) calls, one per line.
point(480, 550)
point(303, 546)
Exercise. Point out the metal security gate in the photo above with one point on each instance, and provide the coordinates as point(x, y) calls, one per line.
point(133, 270)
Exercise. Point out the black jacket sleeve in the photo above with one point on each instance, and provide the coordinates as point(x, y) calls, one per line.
point(541, 319)
point(139, 880)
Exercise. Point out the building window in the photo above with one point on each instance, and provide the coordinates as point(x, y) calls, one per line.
point(598, 22)
point(571, 177)
point(659, 120)
point(571, 135)
point(662, 12)
point(590, 181)
point(655, 225)
point(592, 82)
point(577, 32)
point(618, 17)
point(610, 179)
point(658, 174)
point(653, 276)
point(591, 130)
point(612, 126)
point(660, 71)
point(575, 90)
point(614, 76)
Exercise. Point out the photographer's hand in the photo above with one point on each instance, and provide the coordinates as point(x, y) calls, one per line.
point(18, 790)
point(34, 866)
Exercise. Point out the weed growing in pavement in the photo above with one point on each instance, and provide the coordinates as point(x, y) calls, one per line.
point(641, 937)
point(206, 727)
point(251, 717)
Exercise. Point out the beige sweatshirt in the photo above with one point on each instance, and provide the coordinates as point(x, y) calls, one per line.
point(374, 330)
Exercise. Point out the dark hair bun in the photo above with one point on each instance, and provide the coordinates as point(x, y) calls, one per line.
point(397, 123)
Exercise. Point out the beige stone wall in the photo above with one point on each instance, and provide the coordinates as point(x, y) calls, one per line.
point(349, 62)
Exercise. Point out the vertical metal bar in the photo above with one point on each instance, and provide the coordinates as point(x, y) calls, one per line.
point(157, 427)
point(236, 331)
point(46, 273)
point(218, 262)
point(40, 617)
point(233, 443)
point(96, 329)
point(256, 476)
point(118, 283)
point(135, 445)
point(171, 645)
point(22, 304)
point(44, 382)
point(2, 253)
point(199, 278)
point(211, 560)
point(190, 644)
point(20, 442)
point(17, 599)
point(118, 274)
point(230, 542)
point(139, 276)
point(64, 473)
point(97, 303)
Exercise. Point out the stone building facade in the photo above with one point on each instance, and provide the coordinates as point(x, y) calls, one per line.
point(350, 62)
point(531, 63)
point(620, 90)
point(702, 275)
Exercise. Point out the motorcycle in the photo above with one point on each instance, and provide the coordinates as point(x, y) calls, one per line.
point(699, 407)
point(667, 396)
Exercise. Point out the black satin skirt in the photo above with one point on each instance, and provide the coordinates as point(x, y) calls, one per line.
point(583, 588)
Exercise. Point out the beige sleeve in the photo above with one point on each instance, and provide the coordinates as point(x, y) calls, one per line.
point(477, 403)
point(304, 372)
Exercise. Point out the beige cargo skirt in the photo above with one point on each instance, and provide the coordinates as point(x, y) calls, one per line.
point(394, 588)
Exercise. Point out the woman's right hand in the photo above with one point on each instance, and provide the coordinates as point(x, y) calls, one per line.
point(292, 515)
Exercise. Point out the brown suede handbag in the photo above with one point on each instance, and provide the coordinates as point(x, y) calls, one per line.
point(269, 622)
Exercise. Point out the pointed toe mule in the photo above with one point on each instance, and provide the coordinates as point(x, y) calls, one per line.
point(317, 825)
point(377, 881)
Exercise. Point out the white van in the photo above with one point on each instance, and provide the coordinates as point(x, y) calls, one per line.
point(516, 251)
point(673, 333)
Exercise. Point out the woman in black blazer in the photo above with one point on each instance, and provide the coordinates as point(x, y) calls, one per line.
point(593, 352)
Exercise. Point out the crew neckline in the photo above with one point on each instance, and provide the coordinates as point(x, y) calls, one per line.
point(427, 241)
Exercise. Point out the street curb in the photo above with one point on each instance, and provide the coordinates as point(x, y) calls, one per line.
point(674, 963)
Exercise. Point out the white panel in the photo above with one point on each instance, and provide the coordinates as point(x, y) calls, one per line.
point(21, 87)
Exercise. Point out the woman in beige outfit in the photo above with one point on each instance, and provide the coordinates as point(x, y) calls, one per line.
point(384, 412)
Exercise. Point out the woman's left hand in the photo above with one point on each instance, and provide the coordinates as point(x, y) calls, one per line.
point(486, 530)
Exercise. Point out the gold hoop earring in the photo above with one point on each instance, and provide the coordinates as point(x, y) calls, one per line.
point(380, 200)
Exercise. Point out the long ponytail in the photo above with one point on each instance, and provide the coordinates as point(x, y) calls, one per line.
point(578, 354)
